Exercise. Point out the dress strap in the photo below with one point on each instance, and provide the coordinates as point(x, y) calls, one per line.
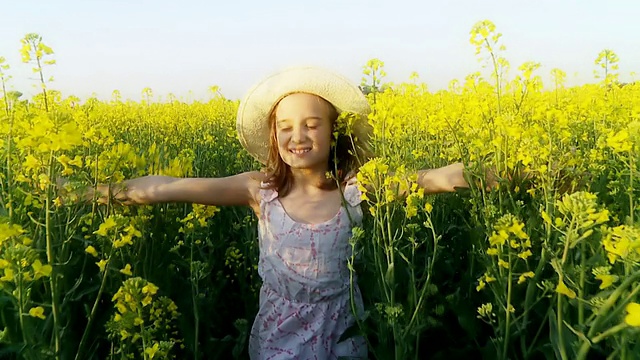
point(267, 195)
point(352, 193)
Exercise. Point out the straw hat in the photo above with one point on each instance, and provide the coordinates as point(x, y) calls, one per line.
point(254, 111)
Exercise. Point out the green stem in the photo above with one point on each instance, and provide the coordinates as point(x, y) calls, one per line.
point(611, 300)
point(586, 346)
point(560, 323)
point(25, 338)
point(51, 261)
point(507, 325)
point(583, 261)
point(94, 309)
point(428, 281)
point(627, 299)
point(194, 293)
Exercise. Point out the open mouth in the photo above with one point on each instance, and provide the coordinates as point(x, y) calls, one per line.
point(299, 151)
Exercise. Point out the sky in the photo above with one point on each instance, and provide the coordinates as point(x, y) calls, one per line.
point(183, 47)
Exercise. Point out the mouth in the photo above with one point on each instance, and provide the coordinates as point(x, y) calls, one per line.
point(299, 151)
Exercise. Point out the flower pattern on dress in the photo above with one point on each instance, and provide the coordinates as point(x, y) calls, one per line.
point(305, 296)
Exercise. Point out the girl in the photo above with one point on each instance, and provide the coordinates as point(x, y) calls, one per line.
point(287, 122)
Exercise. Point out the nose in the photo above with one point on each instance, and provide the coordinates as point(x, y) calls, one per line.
point(298, 134)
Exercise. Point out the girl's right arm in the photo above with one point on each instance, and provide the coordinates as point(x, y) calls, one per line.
point(241, 189)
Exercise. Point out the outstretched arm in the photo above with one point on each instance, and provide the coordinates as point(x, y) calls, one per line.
point(443, 179)
point(241, 189)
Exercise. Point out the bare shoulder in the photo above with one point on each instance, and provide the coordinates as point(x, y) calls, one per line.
point(253, 181)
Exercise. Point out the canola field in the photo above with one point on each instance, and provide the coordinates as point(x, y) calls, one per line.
point(544, 266)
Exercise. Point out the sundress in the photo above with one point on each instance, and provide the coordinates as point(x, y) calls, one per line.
point(305, 296)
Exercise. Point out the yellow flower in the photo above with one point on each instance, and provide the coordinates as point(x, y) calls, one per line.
point(37, 312)
point(525, 254)
point(503, 263)
point(146, 301)
point(8, 275)
point(102, 264)
point(428, 208)
point(524, 277)
point(492, 251)
point(105, 226)
point(41, 270)
point(607, 280)
point(480, 286)
point(117, 317)
point(138, 321)
point(121, 307)
point(123, 334)
point(151, 351)
point(126, 270)
point(150, 289)
point(4, 264)
point(498, 238)
point(633, 314)
point(91, 250)
point(564, 290)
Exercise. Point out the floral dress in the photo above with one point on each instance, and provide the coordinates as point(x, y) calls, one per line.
point(305, 296)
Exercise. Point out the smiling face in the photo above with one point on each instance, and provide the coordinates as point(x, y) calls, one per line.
point(303, 128)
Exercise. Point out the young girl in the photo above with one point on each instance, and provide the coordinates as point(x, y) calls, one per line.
point(287, 122)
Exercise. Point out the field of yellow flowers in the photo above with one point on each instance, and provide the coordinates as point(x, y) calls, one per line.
point(544, 265)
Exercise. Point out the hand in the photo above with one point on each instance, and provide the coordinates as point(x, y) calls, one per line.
point(130, 192)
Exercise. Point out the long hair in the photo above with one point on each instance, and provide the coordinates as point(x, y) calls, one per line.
point(343, 161)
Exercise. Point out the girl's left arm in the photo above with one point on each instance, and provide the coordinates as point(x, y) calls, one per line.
point(443, 179)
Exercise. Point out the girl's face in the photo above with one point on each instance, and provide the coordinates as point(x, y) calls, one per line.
point(303, 131)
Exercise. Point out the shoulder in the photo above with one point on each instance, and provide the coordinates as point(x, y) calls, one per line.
point(255, 181)
point(352, 190)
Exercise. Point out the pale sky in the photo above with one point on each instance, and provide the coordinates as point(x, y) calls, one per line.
point(184, 46)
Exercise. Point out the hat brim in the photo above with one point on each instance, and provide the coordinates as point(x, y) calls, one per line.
point(255, 109)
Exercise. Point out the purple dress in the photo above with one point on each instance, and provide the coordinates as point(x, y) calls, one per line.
point(305, 296)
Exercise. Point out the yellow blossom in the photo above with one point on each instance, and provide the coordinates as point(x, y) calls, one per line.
point(498, 238)
point(102, 264)
point(633, 314)
point(492, 251)
point(37, 312)
point(150, 289)
point(523, 277)
point(151, 351)
point(91, 250)
point(428, 208)
point(138, 321)
point(41, 270)
point(564, 290)
point(503, 263)
point(121, 307)
point(525, 254)
point(126, 270)
point(105, 226)
point(607, 280)
point(8, 275)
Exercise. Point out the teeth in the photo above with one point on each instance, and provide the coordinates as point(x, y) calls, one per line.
point(299, 151)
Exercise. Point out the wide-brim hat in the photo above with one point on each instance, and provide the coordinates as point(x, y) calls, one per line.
point(256, 107)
